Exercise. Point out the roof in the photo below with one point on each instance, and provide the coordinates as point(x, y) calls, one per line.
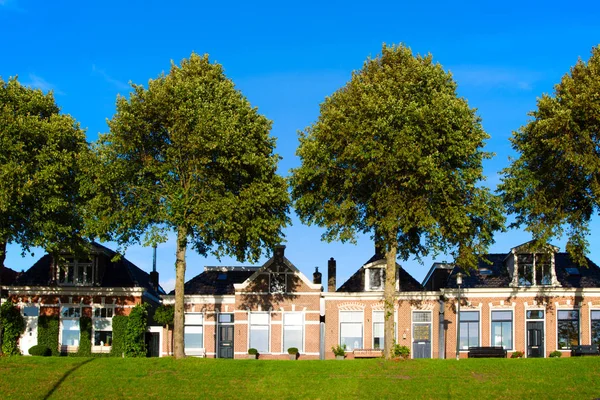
point(119, 273)
point(217, 281)
point(356, 283)
point(498, 276)
point(7, 276)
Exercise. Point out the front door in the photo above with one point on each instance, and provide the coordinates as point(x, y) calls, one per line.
point(421, 334)
point(29, 337)
point(535, 339)
point(226, 341)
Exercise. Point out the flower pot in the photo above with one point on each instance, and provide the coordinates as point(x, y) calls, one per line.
point(293, 356)
point(339, 357)
point(252, 356)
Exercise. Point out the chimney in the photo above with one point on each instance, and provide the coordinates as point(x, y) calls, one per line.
point(331, 266)
point(154, 273)
point(278, 252)
point(317, 276)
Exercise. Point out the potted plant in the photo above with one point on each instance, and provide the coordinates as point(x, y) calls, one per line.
point(293, 352)
point(339, 351)
point(252, 353)
point(517, 354)
point(556, 354)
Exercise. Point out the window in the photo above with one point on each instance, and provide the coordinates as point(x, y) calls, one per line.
point(595, 325)
point(225, 318)
point(534, 269)
point(193, 332)
point(421, 326)
point(277, 283)
point(525, 269)
point(259, 331)
point(70, 326)
point(31, 311)
point(542, 274)
point(102, 322)
point(469, 329)
point(535, 314)
point(376, 278)
point(351, 329)
point(293, 331)
point(378, 329)
point(502, 329)
point(73, 271)
point(568, 329)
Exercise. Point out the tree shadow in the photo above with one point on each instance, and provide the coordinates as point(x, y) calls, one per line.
point(65, 376)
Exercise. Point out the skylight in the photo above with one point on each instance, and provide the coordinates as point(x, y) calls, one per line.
point(485, 271)
point(572, 271)
point(222, 276)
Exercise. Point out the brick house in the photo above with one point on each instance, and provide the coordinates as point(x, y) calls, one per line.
point(271, 308)
point(530, 300)
point(70, 287)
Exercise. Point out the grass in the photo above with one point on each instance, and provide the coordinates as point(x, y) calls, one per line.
point(166, 378)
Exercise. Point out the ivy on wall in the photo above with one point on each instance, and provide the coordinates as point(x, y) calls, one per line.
point(48, 327)
point(135, 345)
point(85, 337)
point(13, 326)
point(119, 326)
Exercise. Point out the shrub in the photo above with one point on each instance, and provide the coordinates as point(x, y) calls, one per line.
point(85, 337)
point(119, 327)
point(556, 354)
point(135, 344)
point(401, 351)
point(517, 354)
point(339, 350)
point(252, 351)
point(48, 327)
point(13, 326)
point(40, 350)
point(292, 350)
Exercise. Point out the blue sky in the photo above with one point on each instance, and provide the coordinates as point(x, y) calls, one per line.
point(286, 57)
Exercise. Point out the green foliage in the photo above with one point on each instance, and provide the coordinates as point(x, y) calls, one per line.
point(40, 350)
point(339, 350)
point(119, 329)
point(292, 350)
point(554, 184)
point(397, 154)
point(164, 314)
point(252, 351)
point(38, 170)
point(85, 337)
point(401, 351)
point(48, 329)
point(517, 354)
point(555, 354)
point(188, 154)
point(135, 345)
point(13, 326)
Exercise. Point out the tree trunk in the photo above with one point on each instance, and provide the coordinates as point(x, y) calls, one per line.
point(179, 351)
point(389, 297)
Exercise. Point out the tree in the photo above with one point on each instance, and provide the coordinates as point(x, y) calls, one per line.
point(555, 181)
point(164, 315)
point(39, 153)
point(395, 153)
point(188, 154)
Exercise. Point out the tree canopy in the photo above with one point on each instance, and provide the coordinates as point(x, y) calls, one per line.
point(188, 154)
point(555, 181)
point(39, 192)
point(397, 154)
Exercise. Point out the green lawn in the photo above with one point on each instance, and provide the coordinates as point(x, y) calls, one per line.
point(165, 378)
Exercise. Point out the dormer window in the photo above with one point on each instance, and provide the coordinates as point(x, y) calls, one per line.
point(76, 272)
point(534, 269)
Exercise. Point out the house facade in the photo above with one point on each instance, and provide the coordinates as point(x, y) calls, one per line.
point(69, 287)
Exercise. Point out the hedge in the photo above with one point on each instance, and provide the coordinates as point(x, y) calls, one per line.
point(119, 327)
point(48, 327)
point(13, 325)
point(85, 337)
point(40, 350)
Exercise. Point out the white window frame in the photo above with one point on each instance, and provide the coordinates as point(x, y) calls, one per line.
point(543, 320)
point(512, 320)
point(412, 327)
point(590, 319)
point(191, 324)
point(479, 322)
point(303, 326)
point(368, 279)
point(75, 264)
point(551, 266)
point(268, 325)
point(95, 318)
point(362, 326)
point(61, 328)
point(578, 326)
point(373, 326)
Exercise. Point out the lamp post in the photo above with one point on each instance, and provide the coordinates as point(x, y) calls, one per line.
point(458, 283)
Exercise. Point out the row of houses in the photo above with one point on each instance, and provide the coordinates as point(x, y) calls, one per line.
point(530, 300)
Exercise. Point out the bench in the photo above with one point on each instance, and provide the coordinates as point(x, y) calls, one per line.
point(487, 352)
point(367, 353)
point(585, 350)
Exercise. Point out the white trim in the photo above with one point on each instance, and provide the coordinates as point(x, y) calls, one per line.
point(271, 261)
point(240, 293)
point(159, 329)
point(468, 309)
point(201, 299)
point(531, 291)
point(543, 320)
point(250, 327)
point(301, 350)
point(512, 321)
point(362, 326)
point(590, 309)
point(357, 296)
point(75, 291)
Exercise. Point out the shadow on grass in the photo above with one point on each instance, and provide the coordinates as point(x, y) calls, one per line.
point(65, 376)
